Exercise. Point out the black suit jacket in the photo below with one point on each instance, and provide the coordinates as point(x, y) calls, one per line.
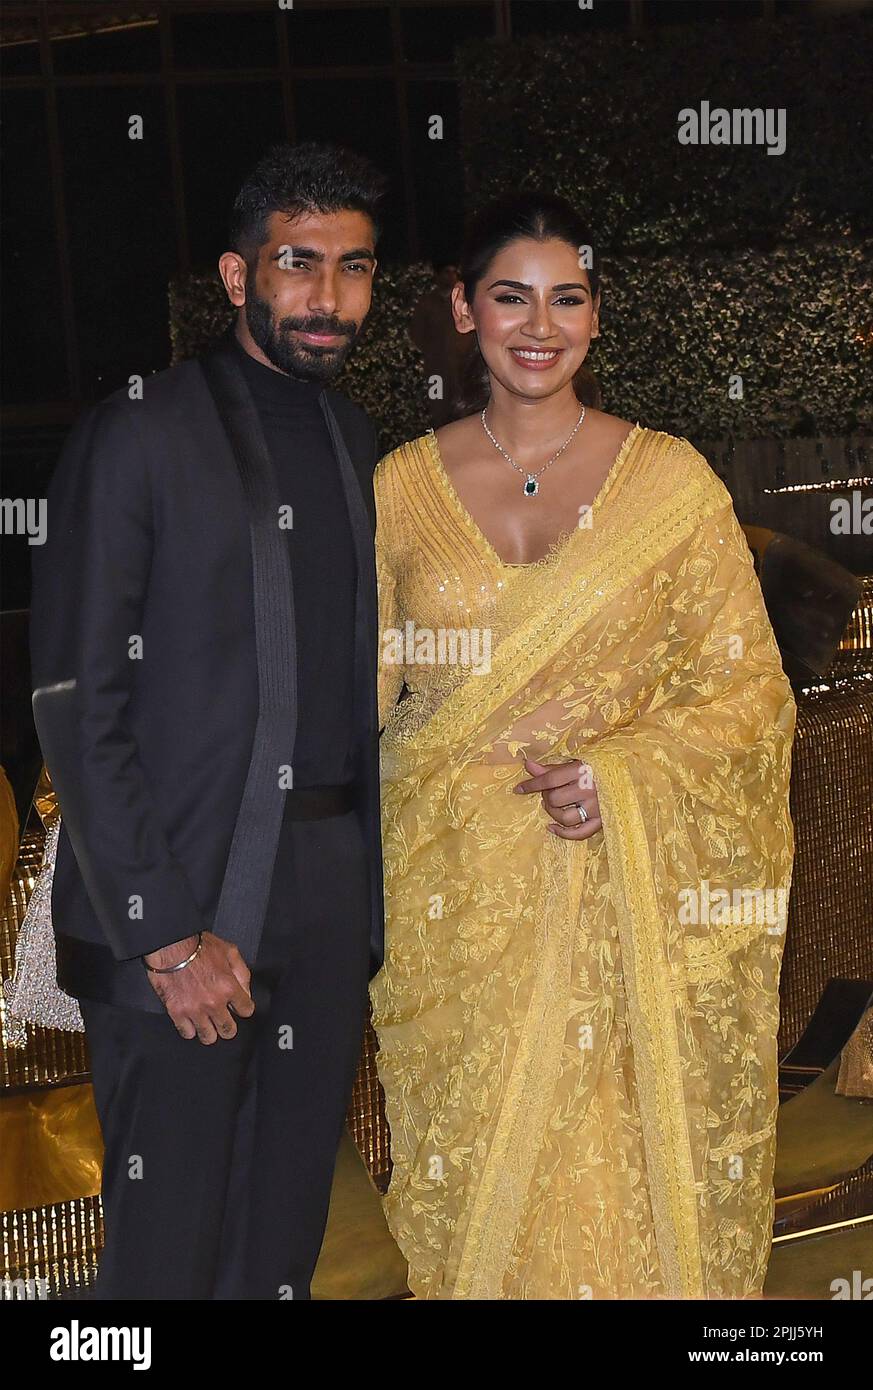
point(164, 667)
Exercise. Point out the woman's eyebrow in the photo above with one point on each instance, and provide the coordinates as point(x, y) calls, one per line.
point(512, 285)
point(518, 285)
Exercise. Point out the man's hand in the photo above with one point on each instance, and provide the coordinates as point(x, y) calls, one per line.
point(199, 997)
point(563, 787)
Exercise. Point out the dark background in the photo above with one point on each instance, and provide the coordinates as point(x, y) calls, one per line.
point(95, 224)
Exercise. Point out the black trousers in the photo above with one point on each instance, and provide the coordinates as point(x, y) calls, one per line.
point(219, 1159)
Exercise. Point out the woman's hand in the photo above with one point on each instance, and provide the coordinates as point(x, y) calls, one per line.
point(564, 786)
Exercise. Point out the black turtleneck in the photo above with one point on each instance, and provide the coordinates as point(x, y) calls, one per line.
point(323, 569)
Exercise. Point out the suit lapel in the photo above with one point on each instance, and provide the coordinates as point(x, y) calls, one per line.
point(248, 875)
point(249, 871)
point(362, 537)
point(366, 712)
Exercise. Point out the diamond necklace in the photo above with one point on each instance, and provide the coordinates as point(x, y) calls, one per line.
point(531, 480)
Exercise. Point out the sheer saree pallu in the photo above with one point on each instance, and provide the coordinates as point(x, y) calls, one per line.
point(578, 1038)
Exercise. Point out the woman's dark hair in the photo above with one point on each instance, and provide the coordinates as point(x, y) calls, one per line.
point(540, 217)
point(302, 178)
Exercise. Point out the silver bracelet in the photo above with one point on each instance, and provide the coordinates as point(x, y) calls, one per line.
point(169, 969)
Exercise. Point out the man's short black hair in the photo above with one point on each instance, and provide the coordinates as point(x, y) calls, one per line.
point(302, 178)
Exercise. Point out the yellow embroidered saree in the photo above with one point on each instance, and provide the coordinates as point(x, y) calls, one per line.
point(578, 1039)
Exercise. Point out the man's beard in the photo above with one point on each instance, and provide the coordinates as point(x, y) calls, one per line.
point(302, 360)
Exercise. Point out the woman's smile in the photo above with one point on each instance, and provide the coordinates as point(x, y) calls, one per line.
point(536, 359)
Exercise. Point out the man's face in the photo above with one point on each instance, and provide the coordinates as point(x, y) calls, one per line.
point(310, 292)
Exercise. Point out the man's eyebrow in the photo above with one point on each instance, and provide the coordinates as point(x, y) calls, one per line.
point(309, 253)
point(518, 285)
point(300, 253)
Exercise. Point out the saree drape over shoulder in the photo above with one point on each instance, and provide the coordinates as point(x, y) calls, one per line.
point(578, 1038)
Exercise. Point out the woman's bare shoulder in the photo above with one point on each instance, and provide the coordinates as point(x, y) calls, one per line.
point(611, 428)
point(455, 438)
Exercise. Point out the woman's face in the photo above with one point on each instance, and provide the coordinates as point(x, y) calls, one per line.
point(533, 314)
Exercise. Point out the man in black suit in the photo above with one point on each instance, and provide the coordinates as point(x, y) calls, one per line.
point(204, 656)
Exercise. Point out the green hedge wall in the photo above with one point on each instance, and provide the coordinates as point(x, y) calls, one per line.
point(718, 260)
point(596, 119)
point(794, 323)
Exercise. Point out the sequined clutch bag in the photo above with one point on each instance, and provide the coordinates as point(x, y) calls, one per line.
point(856, 1062)
point(33, 995)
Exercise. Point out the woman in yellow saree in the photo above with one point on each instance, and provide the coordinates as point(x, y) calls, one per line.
point(577, 1029)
